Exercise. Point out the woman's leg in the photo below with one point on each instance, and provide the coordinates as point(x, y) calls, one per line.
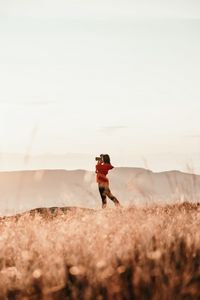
point(111, 197)
point(103, 196)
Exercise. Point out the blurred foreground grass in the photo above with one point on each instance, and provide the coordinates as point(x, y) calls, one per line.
point(81, 254)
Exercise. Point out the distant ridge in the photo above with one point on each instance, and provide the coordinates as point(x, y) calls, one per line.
point(25, 190)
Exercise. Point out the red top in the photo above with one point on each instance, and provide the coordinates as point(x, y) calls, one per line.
point(102, 170)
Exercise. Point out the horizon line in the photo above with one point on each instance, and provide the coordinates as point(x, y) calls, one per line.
point(86, 170)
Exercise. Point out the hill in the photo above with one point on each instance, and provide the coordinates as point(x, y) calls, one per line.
point(25, 190)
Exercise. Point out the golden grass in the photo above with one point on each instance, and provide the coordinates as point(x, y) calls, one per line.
point(135, 253)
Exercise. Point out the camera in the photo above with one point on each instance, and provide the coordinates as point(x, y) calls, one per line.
point(99, 158)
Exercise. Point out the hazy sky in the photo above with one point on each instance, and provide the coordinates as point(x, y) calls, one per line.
point(86, 77)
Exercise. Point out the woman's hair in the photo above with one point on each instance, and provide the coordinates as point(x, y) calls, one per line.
point(106, 158)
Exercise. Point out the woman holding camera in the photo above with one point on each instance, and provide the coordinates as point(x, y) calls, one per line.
point(103, 166)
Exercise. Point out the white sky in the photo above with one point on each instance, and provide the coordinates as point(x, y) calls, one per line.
point(86, 77)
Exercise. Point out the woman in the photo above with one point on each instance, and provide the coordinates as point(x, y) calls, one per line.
point(102, 167)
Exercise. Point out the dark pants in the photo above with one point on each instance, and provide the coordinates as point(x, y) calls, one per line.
point(104, 192)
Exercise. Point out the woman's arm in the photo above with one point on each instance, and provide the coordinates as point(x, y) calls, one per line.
point(98, 166)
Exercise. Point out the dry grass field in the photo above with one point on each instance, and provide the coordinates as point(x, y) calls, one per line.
point(116, 254)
